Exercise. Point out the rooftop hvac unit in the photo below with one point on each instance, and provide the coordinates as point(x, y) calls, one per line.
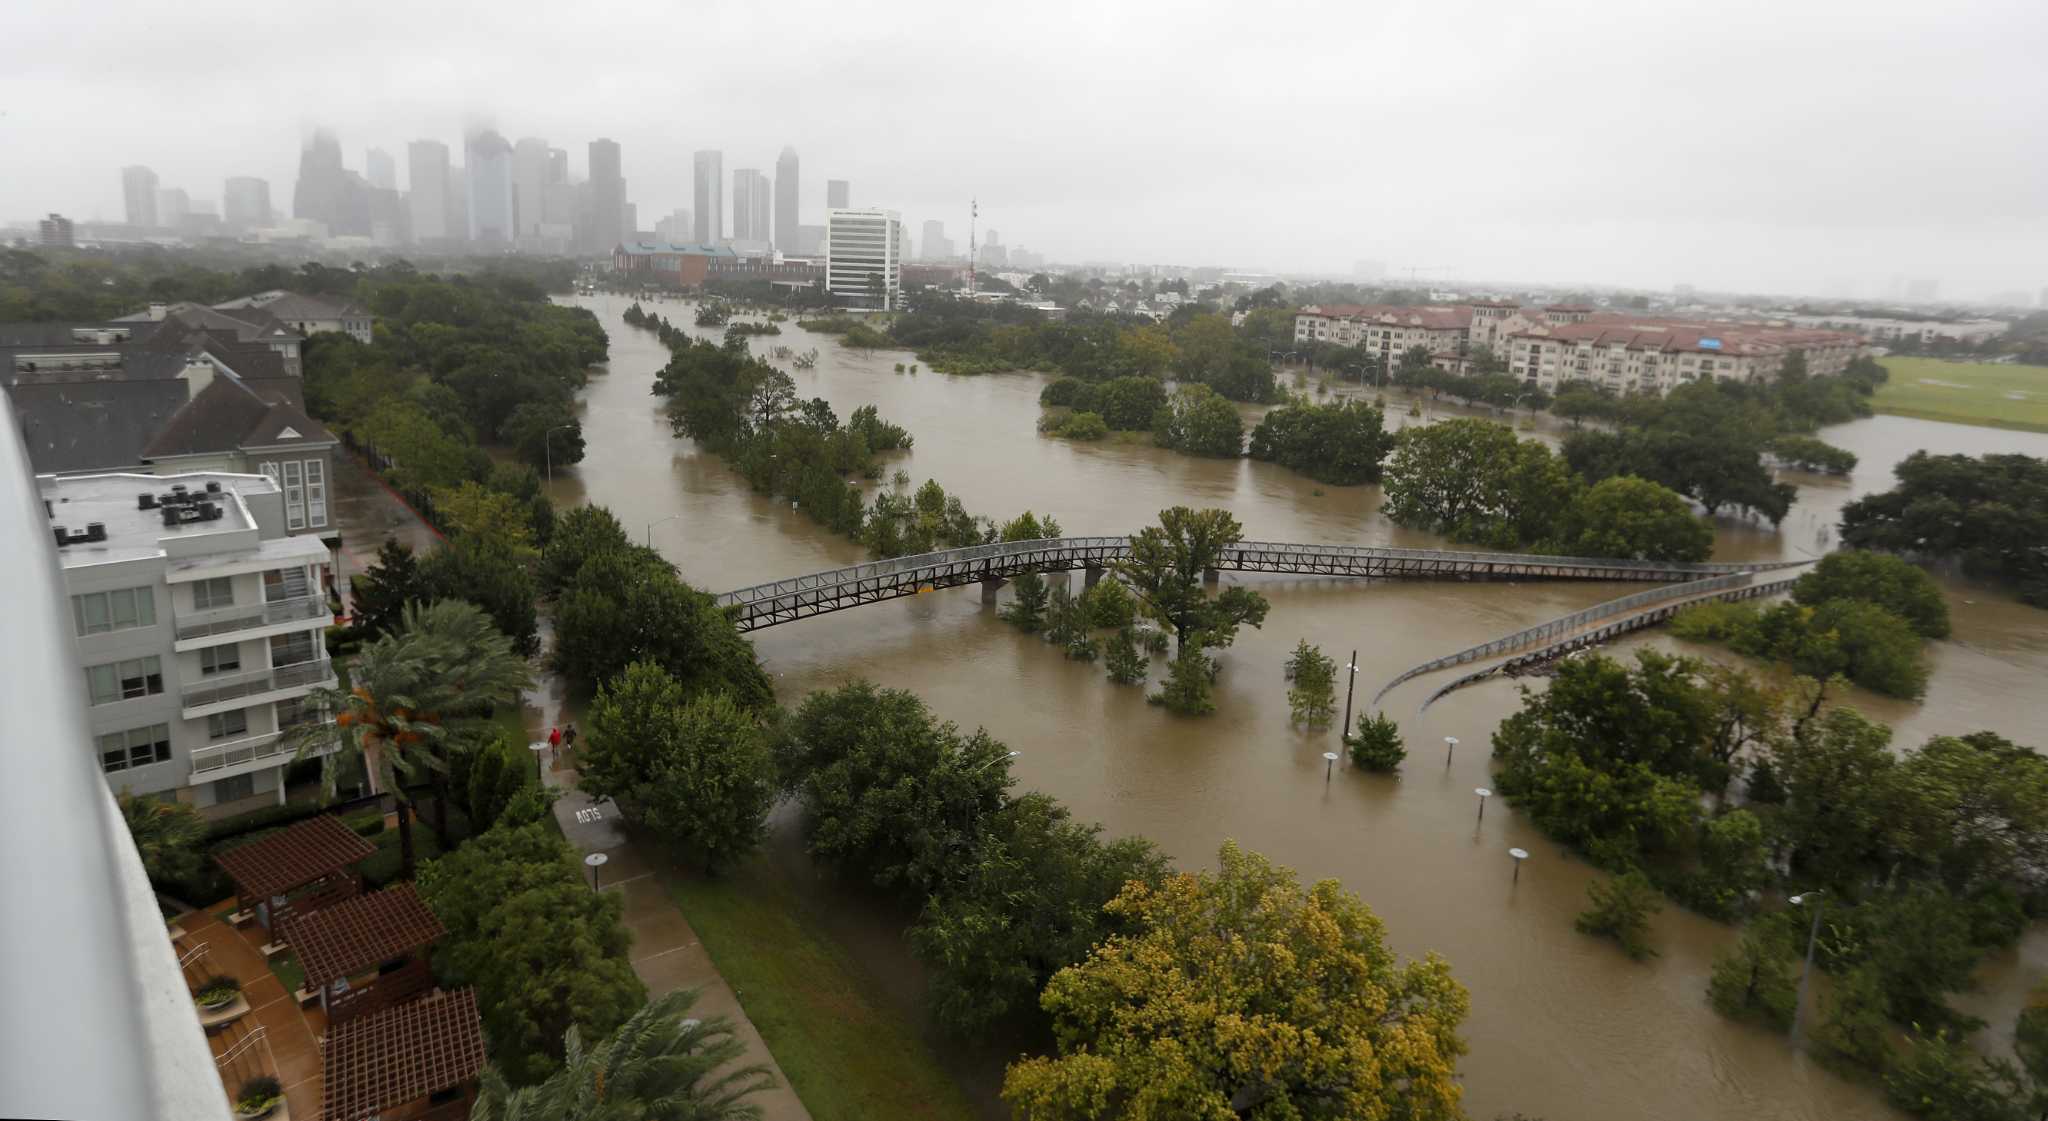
point(145, 501)
point(213, 486)
point(95, 531)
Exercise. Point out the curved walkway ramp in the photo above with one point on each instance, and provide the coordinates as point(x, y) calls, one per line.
point(1713, 590)
point(821, 593)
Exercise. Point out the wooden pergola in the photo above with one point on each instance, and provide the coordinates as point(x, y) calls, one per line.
point(318, 853)
point(387, 931)
point(398, 1056)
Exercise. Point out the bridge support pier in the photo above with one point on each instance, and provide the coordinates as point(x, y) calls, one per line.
point(1090, 577)
point(1211, 576)
point(989, 584)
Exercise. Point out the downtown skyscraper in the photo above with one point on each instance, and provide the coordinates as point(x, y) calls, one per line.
point(750, 216)
point(607, 199)
point(138, 196)
point(429, 190)
point(787, 220)
point(488, 160)
point(709, 197)
point(838, 194)
point(245, 203)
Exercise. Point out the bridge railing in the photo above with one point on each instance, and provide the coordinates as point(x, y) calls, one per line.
point(1564, 624)
point(1070, 551)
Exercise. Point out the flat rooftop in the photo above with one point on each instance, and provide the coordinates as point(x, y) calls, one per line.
point(135, 532)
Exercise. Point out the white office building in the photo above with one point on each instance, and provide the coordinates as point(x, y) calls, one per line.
point(198, 621)
point(864, 257)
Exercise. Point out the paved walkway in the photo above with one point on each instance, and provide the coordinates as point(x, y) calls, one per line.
point(666, 952)
point(365, 511)
point(292, 1035)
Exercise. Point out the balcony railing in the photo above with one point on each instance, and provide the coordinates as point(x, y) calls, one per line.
point(268, 748)
point(226, 620)
point(214, 690)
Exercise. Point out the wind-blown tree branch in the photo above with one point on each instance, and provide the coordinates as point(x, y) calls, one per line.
point(445, 663)
point(661, 1064)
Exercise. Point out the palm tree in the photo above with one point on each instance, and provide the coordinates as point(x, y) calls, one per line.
point(659, 1066)
point(167, 834)
point(444, 664)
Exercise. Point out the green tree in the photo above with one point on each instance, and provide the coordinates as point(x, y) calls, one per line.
point(1166, 569)
point(1313, 697)
point(888, 791)
point(501, 772)
point(1176, 1019)
point(1838, 774)
point(1109, 604)
point(1377, 746)
point(660, 1063)
point(491, 518)
point(544, 434)
point(580, 534)
point(1343, 443)
point(1145, 351)
point(1620, 908)
point(1029, 597)
point(697, 771)
point(1636, 519)
point(1757, 979)
point(1901, 588)
point(1031, 903)
point(494, 578)
point(1879, 650)
point(1989, 511)
point(1130, 404)
point(627, 605)
point(382, 591)
point(1188, 689)
point(1125, 664)
point(1474, 481)
point(167, 834)
point(1941, 1077)
point(544, 952)
point(446, 663)
point(1197, 421)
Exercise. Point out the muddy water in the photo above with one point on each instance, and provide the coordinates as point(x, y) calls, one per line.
point(1562, 1025)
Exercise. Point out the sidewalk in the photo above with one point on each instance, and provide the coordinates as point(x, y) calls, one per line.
point(666, 952)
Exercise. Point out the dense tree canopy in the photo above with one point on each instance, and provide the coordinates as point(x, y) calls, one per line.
point(1166, 569)
point(1176, 1019)
point(1198, 421)
point(1342, 443)
point(1990, 511)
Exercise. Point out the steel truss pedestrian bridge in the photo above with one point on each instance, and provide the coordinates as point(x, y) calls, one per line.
point(821, 593)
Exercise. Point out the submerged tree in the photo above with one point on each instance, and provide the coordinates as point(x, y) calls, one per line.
point(1313, 697)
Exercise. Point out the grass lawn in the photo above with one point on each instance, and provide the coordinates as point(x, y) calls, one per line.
point(847, 1056)
point(1981, 393)
point(289, 973)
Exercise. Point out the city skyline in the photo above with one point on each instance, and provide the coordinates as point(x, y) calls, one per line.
point(1264, 149)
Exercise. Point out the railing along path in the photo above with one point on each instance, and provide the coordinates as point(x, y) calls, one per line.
point(820, 593)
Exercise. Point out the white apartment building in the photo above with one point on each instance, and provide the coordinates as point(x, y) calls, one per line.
point(1647, 355)
point(1922, 331)
point(199, 625)
point(864, 257)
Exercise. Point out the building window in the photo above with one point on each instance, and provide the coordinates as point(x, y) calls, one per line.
point(269, 468)
point(125, 681)
point(220, 659)
point(227, 725)
point(291, 649)
point(118, 610)
point(294, 712)
point(137, 747)
point(316, 493)
point(217, 592)
point(234, 789)
point(294, 495)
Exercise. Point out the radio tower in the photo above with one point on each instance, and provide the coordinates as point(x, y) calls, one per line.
point(973, 212)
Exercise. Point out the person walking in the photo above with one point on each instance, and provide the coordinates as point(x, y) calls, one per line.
point(555, 744)
point(569, 736)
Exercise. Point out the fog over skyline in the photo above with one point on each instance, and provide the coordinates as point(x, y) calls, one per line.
point(1787, 147)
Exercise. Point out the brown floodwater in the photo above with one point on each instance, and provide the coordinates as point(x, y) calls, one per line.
point(1562, 1025)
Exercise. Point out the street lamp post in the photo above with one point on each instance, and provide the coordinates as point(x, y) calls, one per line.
point(1520, 855)
point(1484, 794)
point(1329, 765)
point(548, 446)
point(1450, 749)
point(1344, 730)
point(596, 861)
point(1812, 936)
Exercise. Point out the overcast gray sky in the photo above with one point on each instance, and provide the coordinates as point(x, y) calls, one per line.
point(1793, 145)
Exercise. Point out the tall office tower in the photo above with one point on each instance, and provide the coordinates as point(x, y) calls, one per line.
point(138, 196)
point(380, 169)
point(488, 159)
point(837, 194)
point(172, 205)
point(529, 185)
point(606, 224)
point(245, 203)
point(55, 232)
point(936, 246)
point(864, 257)
point(786, 219)
point(750, 219)
point(426, 167)
point(321, 194)
point(458, 203)
point(676, 229)
point(710, 197)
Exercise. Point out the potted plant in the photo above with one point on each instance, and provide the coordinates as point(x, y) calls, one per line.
point(259, 1097)
point(217, 992)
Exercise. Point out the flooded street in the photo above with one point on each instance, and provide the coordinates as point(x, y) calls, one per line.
point(1562, 1025)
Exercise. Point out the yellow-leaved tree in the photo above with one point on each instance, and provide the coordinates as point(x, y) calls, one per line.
point(1238, 995)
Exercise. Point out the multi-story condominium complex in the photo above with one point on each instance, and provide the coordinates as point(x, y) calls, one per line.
point(1922, 331)
point(864, 257)
point(1547, 346)
point(198, 622)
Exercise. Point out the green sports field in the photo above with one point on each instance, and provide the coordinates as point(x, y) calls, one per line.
point(1966, 393)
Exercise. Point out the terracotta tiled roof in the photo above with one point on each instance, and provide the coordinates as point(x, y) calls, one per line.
point(1681, 336)
point(400, 1055)
point(351, 936)
point(293, 857)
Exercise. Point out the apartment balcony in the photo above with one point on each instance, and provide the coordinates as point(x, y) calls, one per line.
point(235, 757)
point(217, 694)
point(256, 620)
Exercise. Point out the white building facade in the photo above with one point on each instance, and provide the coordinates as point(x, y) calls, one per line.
point(864, 257)
point(198, 624)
